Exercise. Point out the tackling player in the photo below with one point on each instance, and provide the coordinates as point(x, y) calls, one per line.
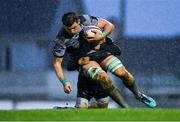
point(88, 89)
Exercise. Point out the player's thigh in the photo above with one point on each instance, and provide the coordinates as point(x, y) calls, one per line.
point(92, 69)
point(96, 73)
point(114, 65)
point(81, 102)
point(89, 65)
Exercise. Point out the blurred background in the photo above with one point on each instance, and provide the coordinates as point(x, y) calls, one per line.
point(148, 32)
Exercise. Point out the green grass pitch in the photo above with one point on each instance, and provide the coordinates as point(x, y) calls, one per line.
point(92, 115)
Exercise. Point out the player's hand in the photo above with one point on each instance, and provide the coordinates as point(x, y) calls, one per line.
point(97, 37)
point(67, 88)
point(83, 60)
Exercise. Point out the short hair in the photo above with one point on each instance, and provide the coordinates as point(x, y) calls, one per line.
point(69, 18)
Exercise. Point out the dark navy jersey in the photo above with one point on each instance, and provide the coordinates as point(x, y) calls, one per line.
point(70, 44)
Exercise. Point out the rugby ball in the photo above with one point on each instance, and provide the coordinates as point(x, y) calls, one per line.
point(88, 31)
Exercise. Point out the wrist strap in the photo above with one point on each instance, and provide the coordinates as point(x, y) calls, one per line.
point(64, 82)
point(104, 34)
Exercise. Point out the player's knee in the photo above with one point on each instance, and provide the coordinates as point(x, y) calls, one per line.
point(81, 103)
point(93, 72)
point(81, 106)
point(93, 105)
point(121, 72)
point(104, 80)
point(103, 105)
point(99, 75)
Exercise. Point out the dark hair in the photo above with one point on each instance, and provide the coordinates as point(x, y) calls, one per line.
point(69, 18)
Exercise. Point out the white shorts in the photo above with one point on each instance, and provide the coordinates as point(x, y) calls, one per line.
point(84, 103)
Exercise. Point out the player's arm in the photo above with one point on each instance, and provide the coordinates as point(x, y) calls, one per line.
point(58, 52)
point(60, 74)
point(107, 28)
point(58, 68)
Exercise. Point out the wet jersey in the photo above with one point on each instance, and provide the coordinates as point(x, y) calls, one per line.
point(70, 44)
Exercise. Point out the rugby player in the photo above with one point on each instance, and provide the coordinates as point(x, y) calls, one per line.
point(68, 41)
point(108, 61)
point(92, 64)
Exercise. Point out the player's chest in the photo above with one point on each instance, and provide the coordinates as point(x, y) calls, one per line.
point(72, 42)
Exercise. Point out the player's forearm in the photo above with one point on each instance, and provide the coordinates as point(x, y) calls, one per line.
point(59, 71)
point(107, 26)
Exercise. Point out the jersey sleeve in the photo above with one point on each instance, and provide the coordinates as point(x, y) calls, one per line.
point(59, 48)
point(89, 20)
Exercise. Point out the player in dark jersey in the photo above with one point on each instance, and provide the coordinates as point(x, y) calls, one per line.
point(109, 62)
point(67, 41)
point(91, 94)
point(102, 58)
point(106, 60)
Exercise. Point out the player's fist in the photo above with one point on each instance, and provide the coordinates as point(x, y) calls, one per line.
point(67, 88)
point(83, 60)
point(97, 35)
point(92, 33)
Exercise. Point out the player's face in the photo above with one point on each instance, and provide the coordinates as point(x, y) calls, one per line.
point(72, 30)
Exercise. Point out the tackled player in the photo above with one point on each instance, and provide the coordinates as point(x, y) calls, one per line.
point(101, 58)
point(67, 40)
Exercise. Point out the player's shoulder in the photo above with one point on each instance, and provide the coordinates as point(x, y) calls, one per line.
point(60, 37)
point(62, 34)
point(88, 20)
